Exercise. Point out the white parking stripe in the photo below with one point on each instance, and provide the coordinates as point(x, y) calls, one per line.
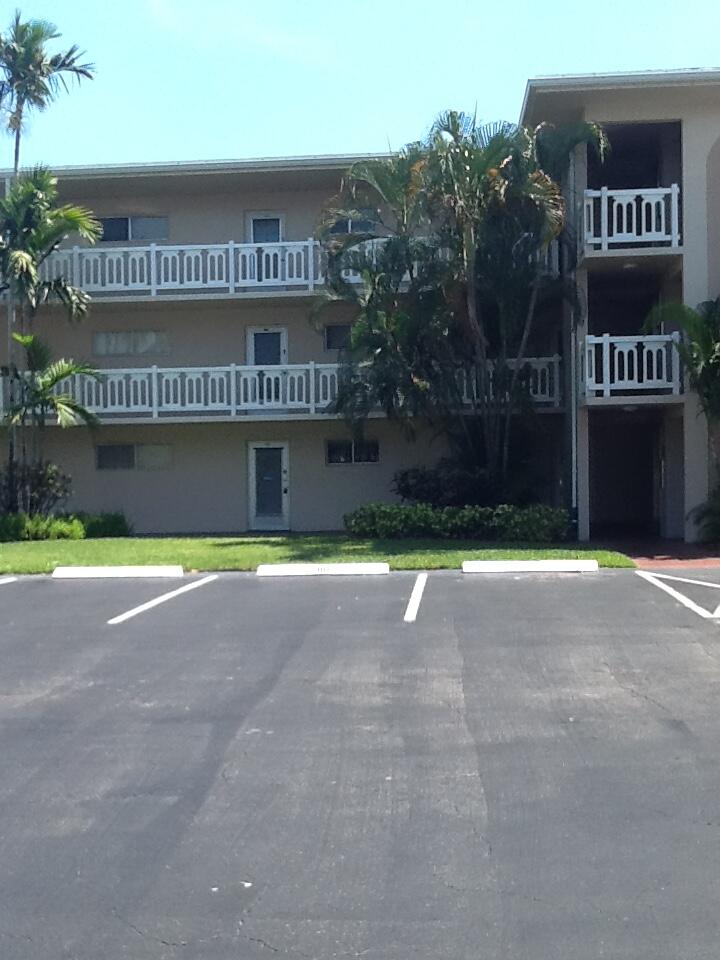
point(4, 580)
point(163, 598)
point(680, 597)
point(699, 583)
point(415, 598)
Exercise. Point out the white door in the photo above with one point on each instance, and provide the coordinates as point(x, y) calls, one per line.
point(269, 480)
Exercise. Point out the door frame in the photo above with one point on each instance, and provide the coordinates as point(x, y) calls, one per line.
point(250, 343)
point(264, 523)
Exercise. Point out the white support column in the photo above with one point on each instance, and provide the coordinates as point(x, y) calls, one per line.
point(154, 399)
point(604, 218)
point(311, 263)
point(606, 364)
point(153, 269)
point(231, 266)
point(312, 396)
point(675, 214)
point(233, 389)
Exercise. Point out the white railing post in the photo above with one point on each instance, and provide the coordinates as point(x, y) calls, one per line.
point(154, 399)
point(675, 363)
point(311, 264)
point(311, 386)
point(604, 218)
point(76, 278)
point(231, 266)
point(675, 215)
point(153, 269)
point(233, 389)
point(606, 364)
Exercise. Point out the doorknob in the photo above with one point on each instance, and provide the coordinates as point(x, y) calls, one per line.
point(284, 489)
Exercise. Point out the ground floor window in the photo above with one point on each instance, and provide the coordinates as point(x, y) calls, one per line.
point(352, 451)
point(133, 456)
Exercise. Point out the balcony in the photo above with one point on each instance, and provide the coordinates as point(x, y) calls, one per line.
point(632, 369)
point(182, 271)
point(284, 392)
point(636, 220)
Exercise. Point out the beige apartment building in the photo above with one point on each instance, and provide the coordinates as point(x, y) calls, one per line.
point(218, 369)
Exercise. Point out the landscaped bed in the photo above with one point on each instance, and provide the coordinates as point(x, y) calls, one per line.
point(246, 552)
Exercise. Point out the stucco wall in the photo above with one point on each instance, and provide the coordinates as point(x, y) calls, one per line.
point(206, 488)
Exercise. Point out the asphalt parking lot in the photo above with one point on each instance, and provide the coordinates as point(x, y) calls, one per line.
point(529, 770)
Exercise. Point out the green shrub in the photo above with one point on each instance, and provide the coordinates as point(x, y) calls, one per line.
point(20, 526)
point(534, 524)
point(113, 524)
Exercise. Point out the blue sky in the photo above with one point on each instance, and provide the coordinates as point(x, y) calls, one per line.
point(190, 80)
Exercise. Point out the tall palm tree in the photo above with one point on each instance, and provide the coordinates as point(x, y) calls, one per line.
point(32, 226)
point(39, 393)
point(30, 76)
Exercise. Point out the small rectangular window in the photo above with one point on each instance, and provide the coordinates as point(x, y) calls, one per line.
point(337, 336)
point(266, 230)
point(128, 343)
point(352, 451)
point(366, 451)
point(364, 224)
point(149, 228)
point(115, 228)
point(134, 228)
point(339, 451)
point(115, 456)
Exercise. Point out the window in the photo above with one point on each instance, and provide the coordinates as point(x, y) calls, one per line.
point(133, 456)
point(134, 228)
point(115, 456)
point(129, 343)
point(355, 224)
point(337, 336)
point(352, 451)
point(266, 230)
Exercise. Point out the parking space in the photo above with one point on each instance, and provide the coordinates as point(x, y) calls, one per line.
point(527, 767)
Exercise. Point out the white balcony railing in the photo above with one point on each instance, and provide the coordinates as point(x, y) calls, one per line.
point(177, 269)
point(632, 218)
point(172, 393)
point(628, 367)
point(543, 380)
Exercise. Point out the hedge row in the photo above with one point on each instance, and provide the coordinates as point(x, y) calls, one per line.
point(20, 526)
point(535, 524)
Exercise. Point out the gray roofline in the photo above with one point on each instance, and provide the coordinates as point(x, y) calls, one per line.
point(182, 167)
point(695, 76)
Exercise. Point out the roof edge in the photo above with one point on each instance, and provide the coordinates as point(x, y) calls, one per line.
point(185, 167)
point(692, 76)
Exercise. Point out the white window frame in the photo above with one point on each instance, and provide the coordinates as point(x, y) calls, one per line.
point(136, 216)
point(251, 215)
point(265, 523)
point(250, 343)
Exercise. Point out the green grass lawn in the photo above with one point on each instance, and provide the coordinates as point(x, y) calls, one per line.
point(245, 553)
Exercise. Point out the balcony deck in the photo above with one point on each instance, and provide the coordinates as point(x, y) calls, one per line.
point(631, 370)
point(235, 392)
point(641, 221)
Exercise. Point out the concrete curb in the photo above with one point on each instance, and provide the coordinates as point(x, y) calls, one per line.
point(530, 566)
point(322, 569)
point(117, 573)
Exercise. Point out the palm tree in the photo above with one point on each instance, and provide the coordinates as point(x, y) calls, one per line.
point(38, 393)
point(467, 216)
point(30, 76)
point(32, 226)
